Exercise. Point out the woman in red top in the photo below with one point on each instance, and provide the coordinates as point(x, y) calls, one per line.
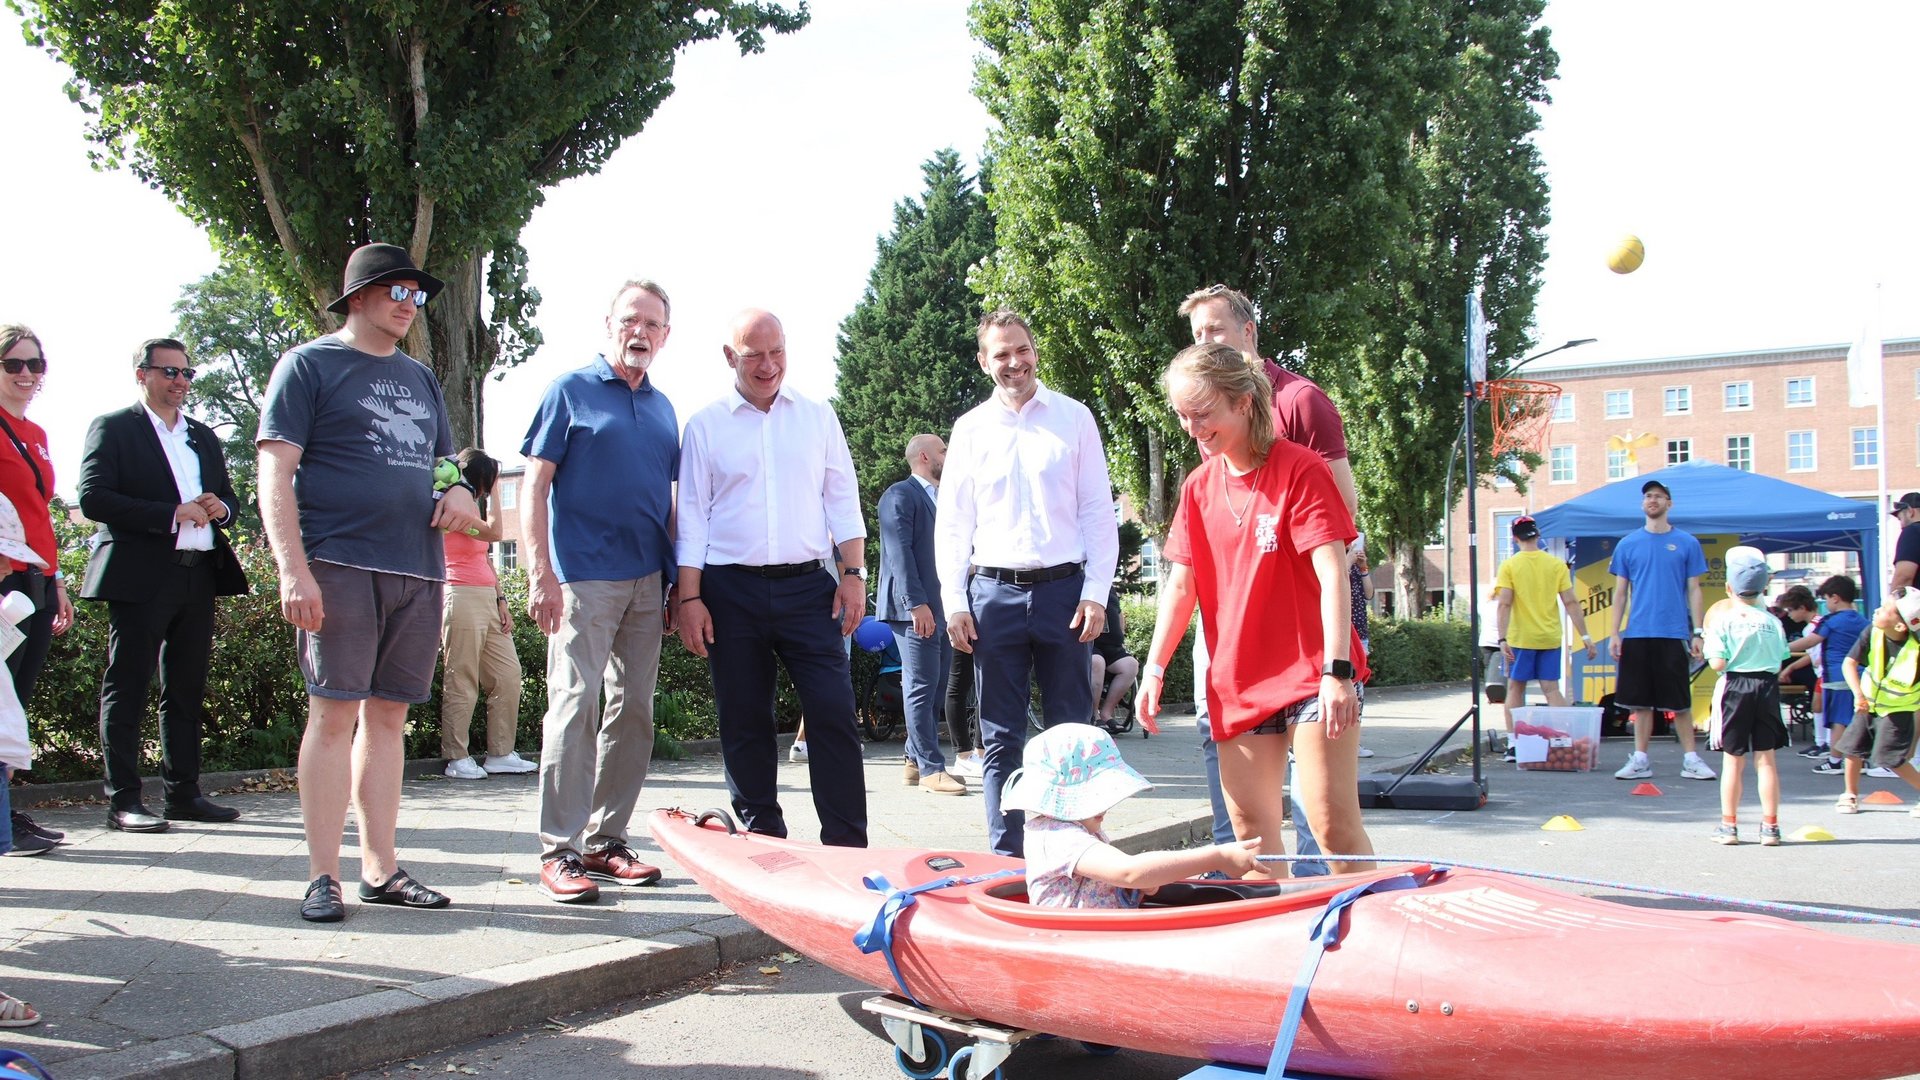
point(1259, 542)
point(26, 479)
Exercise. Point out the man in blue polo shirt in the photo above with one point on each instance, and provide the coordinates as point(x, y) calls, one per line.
point(602, 453)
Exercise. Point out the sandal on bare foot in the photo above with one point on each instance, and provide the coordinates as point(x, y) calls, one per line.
point(1847, 804)
point(15, 1013)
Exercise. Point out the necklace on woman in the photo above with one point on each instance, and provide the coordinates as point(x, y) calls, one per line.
point(1226, 493)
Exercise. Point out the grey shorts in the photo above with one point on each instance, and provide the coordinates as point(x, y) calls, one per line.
point(379, 637)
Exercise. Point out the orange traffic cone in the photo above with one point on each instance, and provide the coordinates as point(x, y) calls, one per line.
point(1882, 798)
point(1645, 789)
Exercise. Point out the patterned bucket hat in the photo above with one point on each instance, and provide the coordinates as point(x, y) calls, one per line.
point(1072, 772)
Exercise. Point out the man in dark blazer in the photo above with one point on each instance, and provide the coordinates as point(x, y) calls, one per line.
point(155, 481)
point(909, 603)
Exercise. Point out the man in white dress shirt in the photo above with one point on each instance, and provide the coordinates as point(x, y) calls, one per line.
point(1026, 502)
point(766, 485)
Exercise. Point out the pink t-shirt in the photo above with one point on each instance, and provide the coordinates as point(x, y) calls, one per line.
point(467, 561)
point(1259, 596)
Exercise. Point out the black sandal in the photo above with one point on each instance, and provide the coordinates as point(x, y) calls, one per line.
point(403, 890)
point(323, 902)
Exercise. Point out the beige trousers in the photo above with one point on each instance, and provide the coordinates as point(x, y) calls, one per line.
point(479, 656)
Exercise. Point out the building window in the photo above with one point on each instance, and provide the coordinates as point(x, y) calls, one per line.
point(1740, 452)
point(1563, 409)
point(1619, 404)
point(1149, 560)
point(1618, 467)
point(1560, 465)
point(1676, 400)
point(1916, 383)
point(1736, 396)
point(509, 494)
point(1866, 447)
point(1800, 455)
point(1800, 391)
point(1806, 560)
point(507, 554)
point(1503, 542)
point(1679, 451)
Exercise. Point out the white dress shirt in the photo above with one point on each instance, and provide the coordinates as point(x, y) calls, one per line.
point(185, 464)
point(1024, 490)
point(765, 488)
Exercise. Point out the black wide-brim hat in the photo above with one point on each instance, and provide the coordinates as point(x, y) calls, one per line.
point(375, 263)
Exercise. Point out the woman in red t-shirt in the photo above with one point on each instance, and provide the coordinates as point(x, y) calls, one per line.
point(1259, 542)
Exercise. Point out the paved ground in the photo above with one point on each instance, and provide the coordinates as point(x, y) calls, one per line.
point(182, 954)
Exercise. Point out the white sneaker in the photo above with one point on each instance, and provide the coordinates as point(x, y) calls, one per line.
point(1364, 752)
point(1636, 768)
point(798, 753)
point(511, 762)
point(967, 765)
point(1695, 769)
point(1879, 772)
point(464, 769)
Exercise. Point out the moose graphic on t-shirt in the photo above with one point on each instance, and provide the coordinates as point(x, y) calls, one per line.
point(397, 420)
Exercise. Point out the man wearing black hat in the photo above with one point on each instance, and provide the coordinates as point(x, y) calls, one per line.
point(1658, 569)
point(1906, 550)
point(1525, 588)
point(361, 425)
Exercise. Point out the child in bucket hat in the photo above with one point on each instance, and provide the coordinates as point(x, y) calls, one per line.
point(1071, 776)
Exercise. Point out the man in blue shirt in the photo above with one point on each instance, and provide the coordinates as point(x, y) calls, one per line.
point(602, 453)
point(1658, 568)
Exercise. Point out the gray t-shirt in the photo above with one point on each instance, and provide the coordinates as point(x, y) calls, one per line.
point(369, 429)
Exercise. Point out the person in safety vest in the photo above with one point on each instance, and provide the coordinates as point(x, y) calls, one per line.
point(1884, 672)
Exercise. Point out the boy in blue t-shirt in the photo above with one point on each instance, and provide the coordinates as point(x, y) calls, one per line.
point(1835, 634)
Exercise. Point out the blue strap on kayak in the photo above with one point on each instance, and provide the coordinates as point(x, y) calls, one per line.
point(1325, 934)
point(878, 937)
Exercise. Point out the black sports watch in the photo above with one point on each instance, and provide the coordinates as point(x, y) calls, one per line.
point(1339, 669)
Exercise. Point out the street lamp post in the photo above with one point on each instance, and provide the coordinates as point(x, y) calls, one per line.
point(1446, 504)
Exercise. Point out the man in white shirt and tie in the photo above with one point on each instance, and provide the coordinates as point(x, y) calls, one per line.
point(1026, 503)
point(766, 486)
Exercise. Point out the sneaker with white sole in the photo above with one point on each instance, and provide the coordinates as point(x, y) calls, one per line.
point(967, 766)
point(1814, 751)
point(1727, 834)
point(798, 754)
point(1695, 769)
point(1769, 835)
point(510, 762)
point(1636, 768)
point(463, 768)
point(1881, 772)
point(1364, 752)
point(1831, 767)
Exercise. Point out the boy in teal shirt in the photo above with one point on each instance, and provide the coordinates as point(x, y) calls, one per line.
point(1745, 644)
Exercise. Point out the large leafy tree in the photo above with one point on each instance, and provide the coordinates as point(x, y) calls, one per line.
point(235, 328)
point(296, 130)
point(1149, 147)
point(907, 358)
point(1478, 208)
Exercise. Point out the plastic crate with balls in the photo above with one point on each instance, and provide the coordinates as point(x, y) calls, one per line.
point(1550, 739)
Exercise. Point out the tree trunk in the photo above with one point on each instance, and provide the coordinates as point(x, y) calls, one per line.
point(1409, 580)
point(1156, 485)
point(462, 349)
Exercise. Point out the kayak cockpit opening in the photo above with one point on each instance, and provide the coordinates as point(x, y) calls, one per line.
point(1181, 905)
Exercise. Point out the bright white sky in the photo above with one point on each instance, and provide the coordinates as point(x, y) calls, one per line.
point(1760, 152)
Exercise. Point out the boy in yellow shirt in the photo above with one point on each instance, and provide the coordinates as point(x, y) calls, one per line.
point(1525, 588)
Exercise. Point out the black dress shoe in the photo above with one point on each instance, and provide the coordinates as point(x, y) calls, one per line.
point(136, 818)
point(200, 809)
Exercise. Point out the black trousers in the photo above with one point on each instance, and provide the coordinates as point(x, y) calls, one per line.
point(760, 621)
point(173, 631)
point(25, 662)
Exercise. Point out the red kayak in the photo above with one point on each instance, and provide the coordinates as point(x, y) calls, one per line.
point(1475, 976)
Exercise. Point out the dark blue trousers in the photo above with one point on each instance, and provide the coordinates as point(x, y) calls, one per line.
point(923, 690)
point(1023, 635)
point(756, 622)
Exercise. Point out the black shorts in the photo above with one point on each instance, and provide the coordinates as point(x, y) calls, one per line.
point(1889, 736)
point(1655, 673)
point(1747, 713)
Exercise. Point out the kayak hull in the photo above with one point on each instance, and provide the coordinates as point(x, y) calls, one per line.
point(1479, 976)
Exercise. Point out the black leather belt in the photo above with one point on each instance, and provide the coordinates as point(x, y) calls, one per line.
point(190, 558)
point(784, 570)
point(1028, 577)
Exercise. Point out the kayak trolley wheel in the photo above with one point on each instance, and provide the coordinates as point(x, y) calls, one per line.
point(720, 816)
point(935, 1049)
point(960, 1067)
point(1100, 1049)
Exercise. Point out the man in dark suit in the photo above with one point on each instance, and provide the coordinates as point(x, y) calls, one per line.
point(155, 480)
point(909, 602)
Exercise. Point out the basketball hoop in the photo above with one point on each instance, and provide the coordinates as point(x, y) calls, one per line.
point(1522, 411)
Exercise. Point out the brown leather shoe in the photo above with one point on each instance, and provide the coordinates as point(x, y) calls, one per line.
point(565, 880)
point(941, 784)
point(912, 775)
point(619, 865)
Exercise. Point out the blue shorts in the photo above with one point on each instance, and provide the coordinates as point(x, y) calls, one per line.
point(1535, 665)
point(1836, 706)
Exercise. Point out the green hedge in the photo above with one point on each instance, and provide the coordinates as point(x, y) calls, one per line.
point(1408, 651)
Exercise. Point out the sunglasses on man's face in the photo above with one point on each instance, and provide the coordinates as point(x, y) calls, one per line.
point(186, 373)
point(36, 365)
point(401, 292)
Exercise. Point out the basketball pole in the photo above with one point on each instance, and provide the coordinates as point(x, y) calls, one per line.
point(1473, 548)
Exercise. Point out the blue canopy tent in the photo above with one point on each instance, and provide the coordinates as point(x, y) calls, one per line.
point(1769, 514)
